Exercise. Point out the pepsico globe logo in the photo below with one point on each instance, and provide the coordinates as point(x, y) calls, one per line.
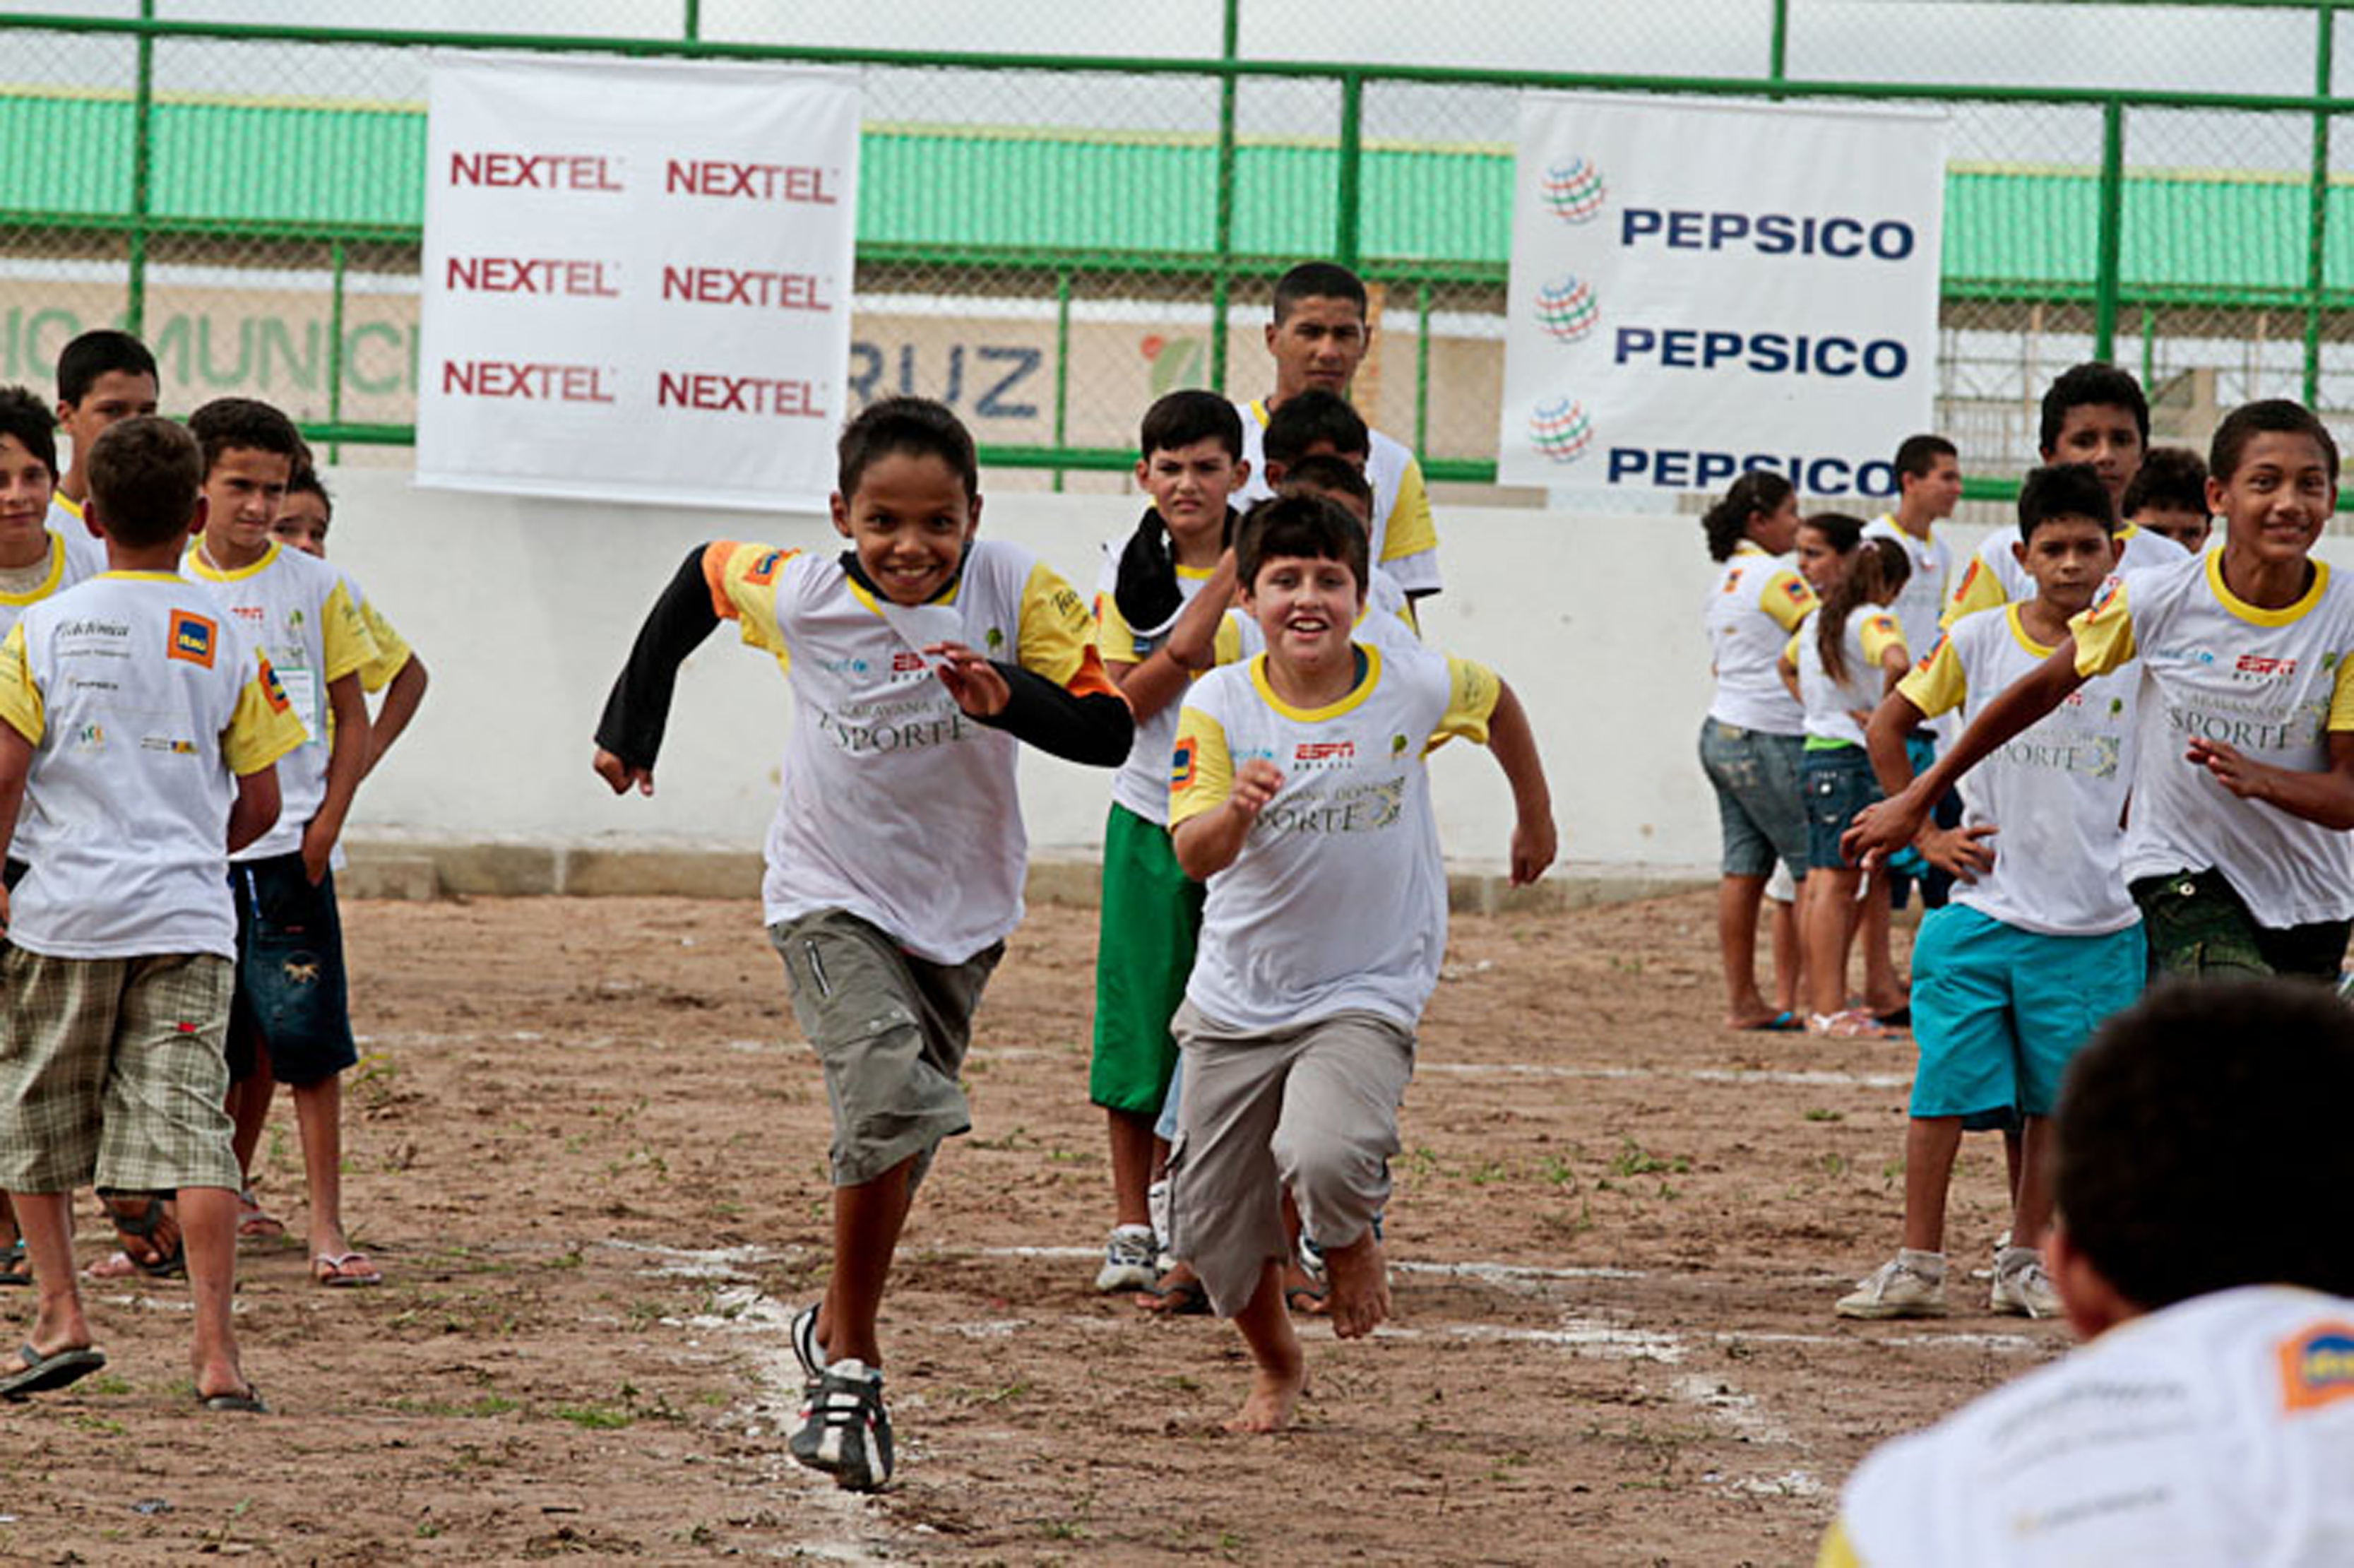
point(1561, 430)
point(1574, 190)
point(1566, 308)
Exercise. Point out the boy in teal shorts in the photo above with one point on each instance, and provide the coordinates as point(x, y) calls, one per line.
point(2040, 941)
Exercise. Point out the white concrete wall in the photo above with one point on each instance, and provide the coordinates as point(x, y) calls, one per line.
point(524, 610)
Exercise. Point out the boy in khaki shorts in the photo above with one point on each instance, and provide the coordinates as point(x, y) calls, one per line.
point(1298, 790)
point(141, 734)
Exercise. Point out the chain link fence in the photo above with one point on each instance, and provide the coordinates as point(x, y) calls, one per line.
point(1048, 240)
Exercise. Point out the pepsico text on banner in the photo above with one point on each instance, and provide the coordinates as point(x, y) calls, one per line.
point(536, 171)
point(1769, 233)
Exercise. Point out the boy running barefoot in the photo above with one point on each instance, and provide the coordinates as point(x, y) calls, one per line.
point(1299, 791)
point(2244, 781)
point(896, 860)
point(2040, 941)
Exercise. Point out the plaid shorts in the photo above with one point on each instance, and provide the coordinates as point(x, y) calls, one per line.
point(111, 1073)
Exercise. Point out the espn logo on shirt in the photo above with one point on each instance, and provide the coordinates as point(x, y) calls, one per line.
point(1313, 754)
point(192, 638)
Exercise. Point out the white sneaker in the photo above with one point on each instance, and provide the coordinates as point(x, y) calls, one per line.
point(1156, 1205)
point(1899, 1287)
point(2021, 1287)
point(1129, 1254)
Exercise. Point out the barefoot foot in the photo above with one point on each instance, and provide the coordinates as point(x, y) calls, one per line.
point(1274, 1392)
point(1360, 1287)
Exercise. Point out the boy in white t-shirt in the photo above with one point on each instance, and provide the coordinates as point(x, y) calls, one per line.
point(2236, 846)
point(2041, 940)
point(104, 376)
point(2169, 498)
point(919, 660)
point(141, 727)
point(2209, 1419)
point(1298, 790)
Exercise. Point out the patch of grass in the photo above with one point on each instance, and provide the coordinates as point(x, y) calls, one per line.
point(1488, 1172)
point(1558, 1172)
point(478, 1409)
point(1633, 1159)
point(108, 1383)
point(594, 1417)
point(1819, 1113)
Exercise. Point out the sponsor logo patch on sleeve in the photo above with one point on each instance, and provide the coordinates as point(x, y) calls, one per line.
point(2316, 1367)
point(192, 638)
point(1181, 765)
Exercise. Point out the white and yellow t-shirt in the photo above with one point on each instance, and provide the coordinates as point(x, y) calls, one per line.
point(1387, 621)
point(896, 806)
point(1995, 575)
point(392, 650)
point(143, 702)
point(2274, 684)
point(1923, 597)
point(297, 607)
point(1831, 705)
point(75, 556)
point(2055, 791)
point(66, 516)
point(1142, 784)
point(2219, 1430)
point(1406, 538)
point(1760, 600)
point(1338, 901)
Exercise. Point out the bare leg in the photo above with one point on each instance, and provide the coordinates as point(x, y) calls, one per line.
point(1788, 956)
point(58, 1321)
point(1736, 939)
point(2014, 1166)
point(1132, 1160)
point(248, 1107)
point(8, 1232)
point(1882, 991)
point(1361, 1285)
point(319, 1117)
point(867, 1220)
point(2030, 1213)
point(1930, 1145)
point(1829, 896)
point(209, 1221)
point(1279, 1367)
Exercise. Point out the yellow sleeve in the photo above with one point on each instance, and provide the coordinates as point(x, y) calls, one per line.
point(1787, 599)
point(2105, 634)
point(392, 650)
point(263, 727)
point(1410, 530)
point(2341, 695)
point(1798, 638)
point(349, 648)
point(743, 582)
point(1472, 692)
point(1837, 1550)
point(1936, 685)
point(1980, 589)
point(1878, 634)
point(1115, 638)
point(1056, 636)
point(1226, 645)
point(1201, 768)
point(20, 695)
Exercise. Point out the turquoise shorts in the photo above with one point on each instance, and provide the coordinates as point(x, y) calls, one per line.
point(1999, 1012)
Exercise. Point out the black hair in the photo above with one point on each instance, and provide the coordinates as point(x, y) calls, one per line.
point(144, 476)
point(2091, 383)
point(1310, 417)
point(1322, 471)
point(1308, 526)
point(95, 353)
point(917, 427)
point(2172, 479)
point(2063, 490)
point(1881, 567)
point(2200, 1138)
point(1317, 280)
point(305, 481)
point(1760, 491)
point(2272, 416)
point(231, 424)
point(1181, 418)
point(27, 418)
point(1918, 455)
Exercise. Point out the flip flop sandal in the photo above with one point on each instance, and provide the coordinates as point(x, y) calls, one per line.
point(255, 1223)
point(1183, 1298)
point(41, 1373)
point(335, 1270)
point(1780, 1023)
point(15, 1268)
point(142, 1227)
point(249, 1402)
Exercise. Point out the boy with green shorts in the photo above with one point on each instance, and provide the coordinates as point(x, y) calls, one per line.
point(141, 732)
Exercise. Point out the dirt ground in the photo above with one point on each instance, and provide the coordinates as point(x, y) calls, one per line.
point(588, 1150)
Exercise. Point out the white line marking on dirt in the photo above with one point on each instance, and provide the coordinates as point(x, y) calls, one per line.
point(711, 1262)
point(1813, 1078)
point(1960, 1340)
point(1485, 1271)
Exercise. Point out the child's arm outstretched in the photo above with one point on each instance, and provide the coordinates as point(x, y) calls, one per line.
point(1955, 851)
point(629, 733)
point(1514, 745)
point(1077, 724)
point(1208, 843)
point(2327, 797)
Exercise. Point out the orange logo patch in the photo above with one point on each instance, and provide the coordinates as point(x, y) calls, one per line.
point(764, 570)
point(192, 638)
point(272, 691)
point(2316, 1367)
point(1180, 766)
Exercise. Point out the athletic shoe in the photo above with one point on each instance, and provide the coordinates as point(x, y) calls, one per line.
point(1311, 1261)
point(844, 1430)
point(2021, 1287)
point(1156, 1206)
point(1897, 1290)
point(806, 1349)
point(1130, 1255)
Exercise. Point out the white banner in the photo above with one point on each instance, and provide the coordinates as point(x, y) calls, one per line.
point(1701, 288)
point(637, 280)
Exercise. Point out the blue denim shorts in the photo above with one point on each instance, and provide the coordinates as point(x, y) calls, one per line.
point(291, 1001)
point(1757, 781)
point(1837, 784)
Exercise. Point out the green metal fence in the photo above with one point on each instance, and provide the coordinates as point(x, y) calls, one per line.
point(1048, 239)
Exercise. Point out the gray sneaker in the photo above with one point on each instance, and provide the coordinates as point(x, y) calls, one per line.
point(2021, 1287)
point(844, 1430)
point(1897, 1290)
point(1130, 1256)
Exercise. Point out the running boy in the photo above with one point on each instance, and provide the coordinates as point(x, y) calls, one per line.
point(103, 376)
point(2243, 779)
point(1192, 447)
point(1298, 790)
point(2040, 941)
point(141, 727)
point(895, 860)
point(290, 1021)
point(1320, 336)
point(2169, 498)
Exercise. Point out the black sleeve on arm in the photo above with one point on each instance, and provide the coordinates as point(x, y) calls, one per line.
point(638, 706)
point(1095, 729)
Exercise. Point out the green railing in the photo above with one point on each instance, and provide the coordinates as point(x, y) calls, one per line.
point(131, 171)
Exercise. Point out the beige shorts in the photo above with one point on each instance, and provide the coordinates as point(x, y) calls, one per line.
point(1313, 1109)
point(891, 1030)
point(111, 1073)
